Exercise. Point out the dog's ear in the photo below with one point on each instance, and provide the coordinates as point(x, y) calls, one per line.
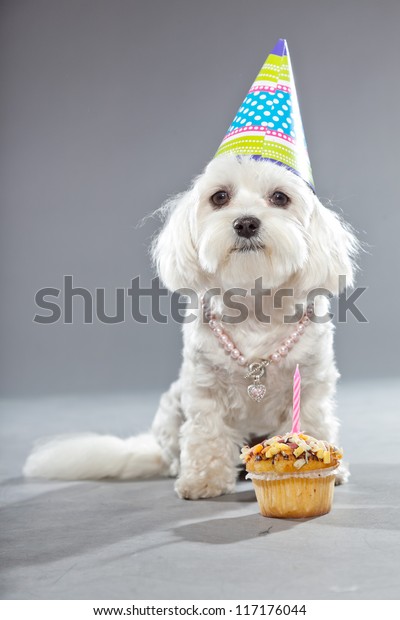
point(332, 251)
point(173, 250)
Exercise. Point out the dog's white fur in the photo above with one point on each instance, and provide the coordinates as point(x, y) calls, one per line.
point(207, 415)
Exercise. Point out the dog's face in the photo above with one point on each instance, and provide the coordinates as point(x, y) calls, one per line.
point(244, 219)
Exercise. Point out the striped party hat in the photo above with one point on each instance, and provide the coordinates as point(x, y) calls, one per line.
point(268, 123)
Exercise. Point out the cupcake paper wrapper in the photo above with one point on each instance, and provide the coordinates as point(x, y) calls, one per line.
point(293, 498)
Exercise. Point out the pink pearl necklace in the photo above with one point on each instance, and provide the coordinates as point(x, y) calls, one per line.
point(256, 370)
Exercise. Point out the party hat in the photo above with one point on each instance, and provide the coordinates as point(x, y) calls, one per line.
point(268, 123)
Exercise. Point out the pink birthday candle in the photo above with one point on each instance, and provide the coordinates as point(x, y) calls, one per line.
point(296, 401)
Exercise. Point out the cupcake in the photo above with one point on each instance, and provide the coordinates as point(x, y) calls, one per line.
point(293, 475)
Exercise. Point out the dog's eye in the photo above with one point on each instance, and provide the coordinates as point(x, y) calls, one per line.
point(279, 199)
point(219, 199)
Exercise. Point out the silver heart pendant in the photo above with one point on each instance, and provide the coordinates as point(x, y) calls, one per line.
point(257, 391)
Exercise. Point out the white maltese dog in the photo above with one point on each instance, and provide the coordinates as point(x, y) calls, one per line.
point(241, 221)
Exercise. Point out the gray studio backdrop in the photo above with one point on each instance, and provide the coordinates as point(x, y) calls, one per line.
point(109, 106)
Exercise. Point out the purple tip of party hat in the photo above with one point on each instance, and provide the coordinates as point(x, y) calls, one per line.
point(280, 48)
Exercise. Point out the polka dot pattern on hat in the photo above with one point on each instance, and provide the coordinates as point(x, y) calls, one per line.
point(266, 109)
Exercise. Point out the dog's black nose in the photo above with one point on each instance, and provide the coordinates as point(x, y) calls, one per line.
point(246, 226)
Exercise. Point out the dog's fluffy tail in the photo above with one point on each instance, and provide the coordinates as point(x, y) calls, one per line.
point(92, 457)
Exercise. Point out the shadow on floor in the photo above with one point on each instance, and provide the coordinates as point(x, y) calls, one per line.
point(233, 529)
point(71, 519)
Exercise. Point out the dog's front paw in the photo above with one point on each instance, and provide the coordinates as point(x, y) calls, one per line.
point(190, 487)
point(342, 474)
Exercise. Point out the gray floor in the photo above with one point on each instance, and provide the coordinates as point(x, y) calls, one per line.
point(136, 540)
